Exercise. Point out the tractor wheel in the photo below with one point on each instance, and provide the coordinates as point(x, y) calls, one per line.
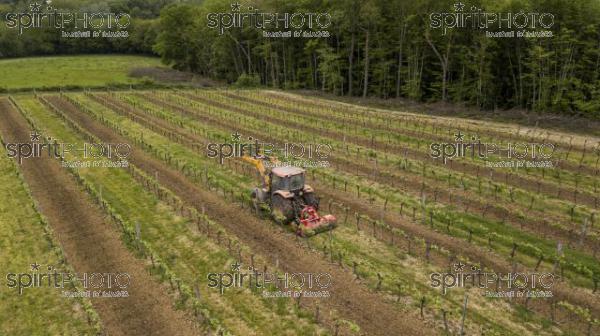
point(312, 200)
point(283, 210)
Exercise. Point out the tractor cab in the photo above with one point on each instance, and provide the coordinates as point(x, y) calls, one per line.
point(290, 179)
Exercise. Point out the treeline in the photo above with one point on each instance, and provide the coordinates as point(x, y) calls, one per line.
point(48, 41)
point(389, 49)
point(377, 48)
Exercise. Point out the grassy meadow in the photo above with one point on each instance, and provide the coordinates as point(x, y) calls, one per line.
point(71, 71)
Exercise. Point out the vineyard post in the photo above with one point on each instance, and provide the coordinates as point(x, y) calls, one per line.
point(514, 249)
point(374, 224)
point(331, 244)
point(540, 258)
point(464, 315)
point(444, 312)
point(431, 218)
point(354, 270)
point(531, 202)
point(584, 229)
point(558, 254)
point(138, 233)
point(346, 209)
point(197, 291)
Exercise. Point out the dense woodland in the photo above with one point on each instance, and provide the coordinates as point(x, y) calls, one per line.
point(378, 48)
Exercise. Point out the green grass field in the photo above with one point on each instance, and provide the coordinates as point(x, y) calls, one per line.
point(65, 71)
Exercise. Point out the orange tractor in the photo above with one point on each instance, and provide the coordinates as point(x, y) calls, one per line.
point(288, 198)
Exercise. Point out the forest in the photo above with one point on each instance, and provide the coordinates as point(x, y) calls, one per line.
point(373, 48)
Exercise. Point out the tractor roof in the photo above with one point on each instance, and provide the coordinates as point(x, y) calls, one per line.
point(287, 171)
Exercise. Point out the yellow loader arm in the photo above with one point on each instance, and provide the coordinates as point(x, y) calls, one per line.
point(258, 163)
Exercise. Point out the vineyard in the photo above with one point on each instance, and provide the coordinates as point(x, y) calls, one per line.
point(174, 215)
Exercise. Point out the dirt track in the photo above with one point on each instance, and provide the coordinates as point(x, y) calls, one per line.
point(349, 298)
point(92, 245)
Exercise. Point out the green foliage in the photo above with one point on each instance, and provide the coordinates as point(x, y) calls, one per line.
point(72, 72)
point(248, 81)
point(381, 49)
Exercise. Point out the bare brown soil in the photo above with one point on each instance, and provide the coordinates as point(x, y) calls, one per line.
point(169, 75)
point(92, 245)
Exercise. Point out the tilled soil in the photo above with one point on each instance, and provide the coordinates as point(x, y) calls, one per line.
point(92, 245)
point(351, 299)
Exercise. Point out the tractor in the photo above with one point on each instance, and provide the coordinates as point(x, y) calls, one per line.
point(288, 198)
